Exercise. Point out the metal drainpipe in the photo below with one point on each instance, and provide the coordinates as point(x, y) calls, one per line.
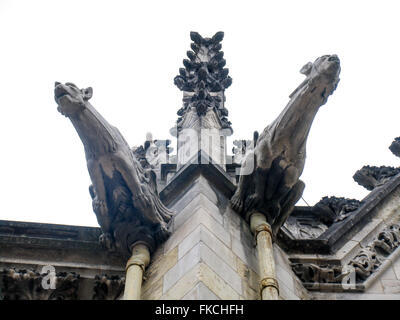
point(135, 268)
point(269, 289)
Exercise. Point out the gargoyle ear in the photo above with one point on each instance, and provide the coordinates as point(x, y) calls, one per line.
point(87, 93)
point(306, 69)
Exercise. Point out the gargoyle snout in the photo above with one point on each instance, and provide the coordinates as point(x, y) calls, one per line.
point(334, 57)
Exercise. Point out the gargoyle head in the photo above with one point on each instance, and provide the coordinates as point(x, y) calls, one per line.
point(70, 99)
point(323, 73)
point(325, 70)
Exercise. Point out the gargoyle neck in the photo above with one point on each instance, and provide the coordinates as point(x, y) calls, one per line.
point(294, 122)
point(97, 135)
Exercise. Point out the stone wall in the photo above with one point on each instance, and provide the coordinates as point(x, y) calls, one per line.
point(211, 253)
point(69, 249)
point(384, 286)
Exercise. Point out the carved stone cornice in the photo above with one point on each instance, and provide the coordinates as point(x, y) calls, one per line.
point(360, 267)
point(108, 287)
point(31, 285)
point(313, 222)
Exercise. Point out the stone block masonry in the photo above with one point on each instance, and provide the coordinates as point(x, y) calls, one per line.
point(210, 254)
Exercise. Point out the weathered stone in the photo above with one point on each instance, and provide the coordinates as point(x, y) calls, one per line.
point(389, 274)
point(200, 292)
point(204, 235)
point(184, 285)
point(189, 242)
point(334, 209)
point(221, 268)
point(287, 294)
point(199, 201)
point(371, 177)
point(153, 291)
point(186, 263)
point(396, 268)
point(203, 115)
point(200, 217)
point(31, 285)
point(108, 287)
point(285, 278)
point(391, 286)
point(217, 285)
point(376, 287)
point(249, 293)
point(124, 191)
point(247, 254)
point(159, 267)
point(249, 277)
point(273, 187)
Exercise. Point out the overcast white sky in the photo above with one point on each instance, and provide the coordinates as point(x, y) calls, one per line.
point(129, 52)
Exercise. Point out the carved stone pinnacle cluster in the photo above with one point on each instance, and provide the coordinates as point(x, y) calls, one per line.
point(204, 78)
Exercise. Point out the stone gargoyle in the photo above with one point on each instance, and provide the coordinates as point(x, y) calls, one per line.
point(124, 193)
point(273, 187)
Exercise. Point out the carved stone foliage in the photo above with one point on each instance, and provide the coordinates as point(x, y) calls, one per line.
point(241, 149)
point(365, 263)
point(31, 285)
point(108, 287)
point(124, 190)
point(204, 78)
point(153, 153)
point(362, 265)
point(371, 177)
point(395, 147)
point(334, 209)
point(205, 66)
point(273, 186)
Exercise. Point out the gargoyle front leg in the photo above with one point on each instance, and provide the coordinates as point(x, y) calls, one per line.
point(99, 201)
point(256, 199)
point(141, 196)
point(238, 198)
point(245, 180)
point(287, 205)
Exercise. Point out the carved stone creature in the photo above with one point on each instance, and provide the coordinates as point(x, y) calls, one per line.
point(334, 209)
point(389, 239)
point(312, 273)
point(28, 285)
point(365, 263)
point(371, 177)
point(125, 197)
point(108, 287)
point(362, 265)
point(274, 187)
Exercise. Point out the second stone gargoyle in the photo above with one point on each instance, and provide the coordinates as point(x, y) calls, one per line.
point(124, 193)
point(269, 181)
